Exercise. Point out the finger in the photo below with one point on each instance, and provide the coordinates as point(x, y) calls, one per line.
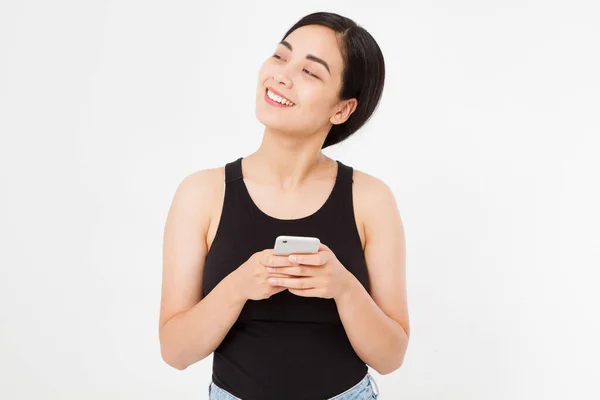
point(323, 246)
point(270, 260)
point(294, 283)
point(298, 270)
point(277, 275)
point(305, 292)
point(310, 259)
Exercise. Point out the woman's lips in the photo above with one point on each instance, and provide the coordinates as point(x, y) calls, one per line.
point(273, 102)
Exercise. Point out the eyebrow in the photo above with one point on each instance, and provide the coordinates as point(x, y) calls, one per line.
point(310, 57)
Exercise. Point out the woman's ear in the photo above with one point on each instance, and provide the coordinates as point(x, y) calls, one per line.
point(344, 112)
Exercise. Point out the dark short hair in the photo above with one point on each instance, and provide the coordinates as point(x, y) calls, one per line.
point(363, 75)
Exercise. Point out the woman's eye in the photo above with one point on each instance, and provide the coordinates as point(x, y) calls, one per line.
point(277, 56)
point(310, 73)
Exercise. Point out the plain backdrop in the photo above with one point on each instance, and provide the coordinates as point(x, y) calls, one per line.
point(487, 133)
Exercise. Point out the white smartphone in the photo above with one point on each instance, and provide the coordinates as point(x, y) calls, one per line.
point(286, 245)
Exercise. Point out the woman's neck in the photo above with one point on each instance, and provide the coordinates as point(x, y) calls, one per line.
point(288, 162)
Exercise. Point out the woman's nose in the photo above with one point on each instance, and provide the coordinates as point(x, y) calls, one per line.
point(283, 79)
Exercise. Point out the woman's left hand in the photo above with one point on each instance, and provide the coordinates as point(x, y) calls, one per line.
point(313, 275)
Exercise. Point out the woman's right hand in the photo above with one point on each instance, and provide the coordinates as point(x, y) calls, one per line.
point(250, 278)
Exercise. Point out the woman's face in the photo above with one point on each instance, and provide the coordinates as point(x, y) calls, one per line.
point(306, 69)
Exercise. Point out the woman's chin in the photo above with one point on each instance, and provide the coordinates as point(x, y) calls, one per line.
point(273, 121)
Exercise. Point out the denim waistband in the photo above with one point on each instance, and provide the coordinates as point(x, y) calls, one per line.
point(215, 392)
point(363, 384)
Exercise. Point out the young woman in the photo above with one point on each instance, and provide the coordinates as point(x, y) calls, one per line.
point(299, 326)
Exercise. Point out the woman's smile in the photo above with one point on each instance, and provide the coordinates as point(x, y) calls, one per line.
point(276, 100)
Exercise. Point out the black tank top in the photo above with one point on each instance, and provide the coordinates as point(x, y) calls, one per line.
point(287, 346)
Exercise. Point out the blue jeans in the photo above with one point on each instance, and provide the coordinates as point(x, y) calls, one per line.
point(366, 389)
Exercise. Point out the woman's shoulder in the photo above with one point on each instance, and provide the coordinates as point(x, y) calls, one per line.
point(368, 184)
point(203, 182)
point(371, 194)
point(200, 190)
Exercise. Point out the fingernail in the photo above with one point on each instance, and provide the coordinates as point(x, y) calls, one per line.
point(292, 258)
point(270, 269)
point(272, 280)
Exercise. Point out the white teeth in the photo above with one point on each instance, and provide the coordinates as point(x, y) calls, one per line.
point(278, 99)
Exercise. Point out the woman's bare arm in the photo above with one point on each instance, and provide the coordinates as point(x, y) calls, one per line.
point(192, 327)
point(378, 324)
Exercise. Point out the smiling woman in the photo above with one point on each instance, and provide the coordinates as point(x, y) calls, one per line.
point(299, 326)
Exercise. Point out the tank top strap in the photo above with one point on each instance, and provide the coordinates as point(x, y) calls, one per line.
point(233, 171)
point(340, 203)
point(344, 173)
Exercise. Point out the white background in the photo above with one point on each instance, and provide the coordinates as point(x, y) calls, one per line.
point(487, 133)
